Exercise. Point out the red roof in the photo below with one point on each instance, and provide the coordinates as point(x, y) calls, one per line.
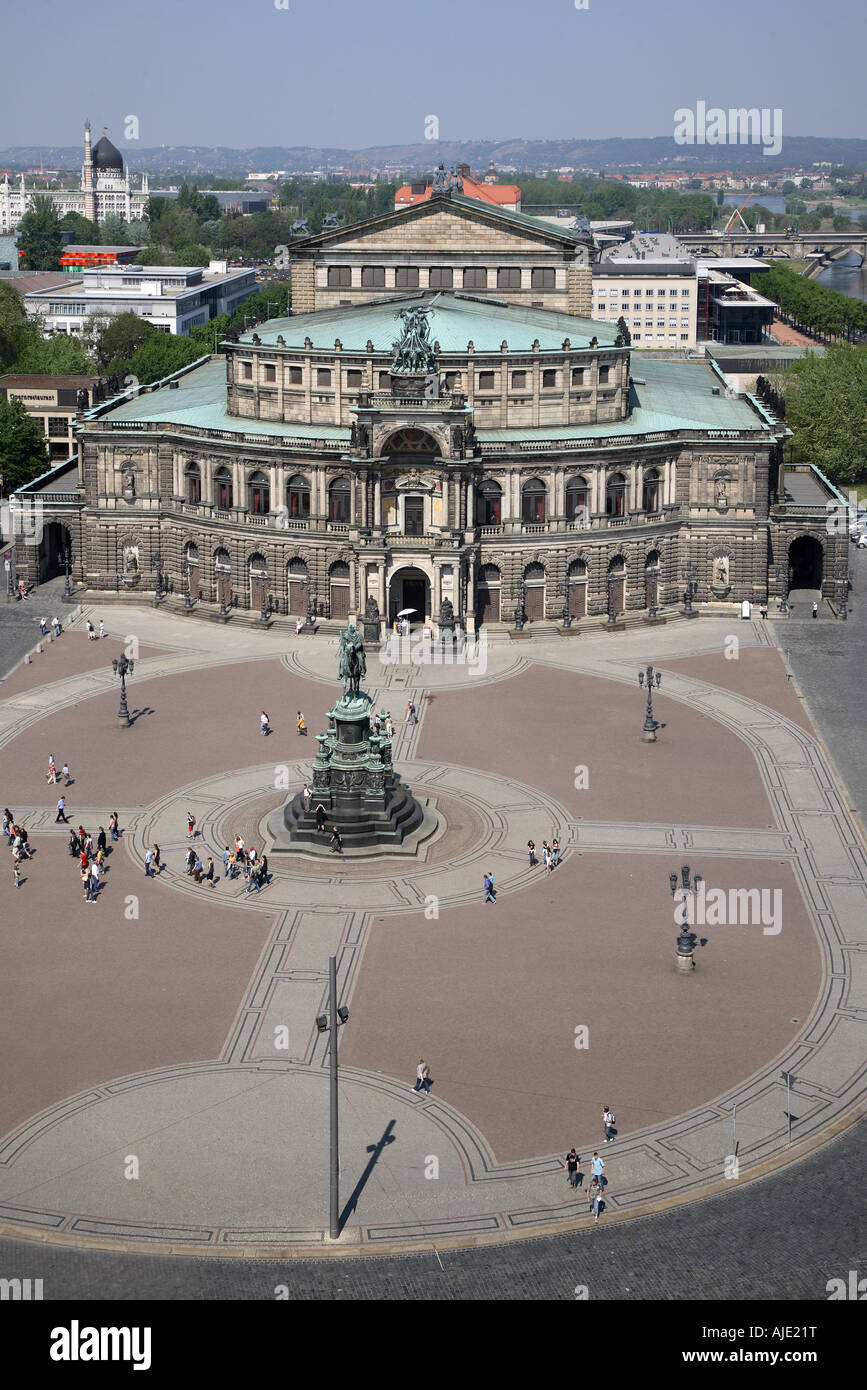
point(500, 194)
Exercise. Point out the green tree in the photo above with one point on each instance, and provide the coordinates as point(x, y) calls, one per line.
point(39, 235)
point(720, 198)
point(84, 232)
point(110, 340)
point(60, 355)
point(23, 451)
point(826, 406)
point(162, 354)
point(788, 187)
point(13, 323)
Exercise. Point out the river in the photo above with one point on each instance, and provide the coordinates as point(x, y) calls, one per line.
point(846, 279)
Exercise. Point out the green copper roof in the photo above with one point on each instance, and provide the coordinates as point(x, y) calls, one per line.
point(455, 320)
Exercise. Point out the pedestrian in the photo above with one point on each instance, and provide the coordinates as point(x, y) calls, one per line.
point(94, 875)
point(149, 859)
point(227, 859)
point(190, 859)
point(239, 849)
point(490, 895)
point(191, 826)
point(306, 797)
point(597, 1167)
point(16, 874)
point(88, 627)
point(571, 1166)
point(531, 850)
point(22, 592)
point(377, 723)
point(233, 866)
point(336, 841)
point(197, 869)
point(51, 774)
point(608, 1125)
point(88, 846)
point(43, 626)
point(112, 825)
point(389, 725)
point(8, 818)
point(301, 724)
point(64, 772)
point(556, 855)
point(594, 1198)
point(74, 845)
point(87, 884)
point(263, 870)
point(100, 840)
point(55, 623)
point(83, 858)
point(546, 856)
point(815, 610)
point(101, 628)
point(298, 627)
point(209, 873)
point(254, 880)
point(763, 610)
point(264, 723)
point(422, 1076)
point(61, 811)
point(320, 817)
point(411, 716)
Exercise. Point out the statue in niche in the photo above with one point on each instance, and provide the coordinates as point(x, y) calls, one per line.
point(721, 572)
point(130, 567)
point(371, 620)
point(128, 485)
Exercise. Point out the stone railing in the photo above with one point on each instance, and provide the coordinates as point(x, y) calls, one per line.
point(384, 400)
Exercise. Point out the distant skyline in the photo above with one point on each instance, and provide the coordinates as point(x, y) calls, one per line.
point(345, 75)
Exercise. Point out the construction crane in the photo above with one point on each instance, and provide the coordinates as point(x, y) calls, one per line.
point(737, 214)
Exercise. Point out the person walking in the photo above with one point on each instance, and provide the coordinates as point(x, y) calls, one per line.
point(556, 855)
point(64, 772)
point(87, 884)
point(763, 610)
point(597, 1167)
point(546, 856)
point(55, 623)
point(411, 716)
point(531, 850)
point(191, 826)
point(51, 774)
point(43, 627)
point(254, 880)
point(190, 859)
point(149, 859)
point(336, 841)
point(233, 866)
point(389, 725)
point(571, 1166)
point(594, 1198)
point(112, 825)
point(61, 811)
point(306, 797)
point(264, 724)
point(422, 1077)
point(226, 858)
point(8, 819)
point(95, 878)
point(608, 1124)
point(301, 725)
point(320, 817)
point(101, 628)
point(25, 847)
point(209, 872)
point(197, 869)
point(101, 842)
point(815, 610)
point(88, 627)
point(263, 870)
point(488, 883)
point(74, 844)
point(16, 874)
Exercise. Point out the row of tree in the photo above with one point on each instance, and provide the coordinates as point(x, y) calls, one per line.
point(811, 306)
point(826, 406)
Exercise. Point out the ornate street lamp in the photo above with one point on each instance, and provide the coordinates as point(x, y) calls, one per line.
point(611, 613)
point(688, 574)
point(66, 558)
point(686, 941)
point(650, 678)
point(787, 584)
point(122, 667)
point(311, 605)
point(157, 565)
point(186, 572)
point(263, 612)
point(222, 584)
point(329, 1023)
point(520, 615)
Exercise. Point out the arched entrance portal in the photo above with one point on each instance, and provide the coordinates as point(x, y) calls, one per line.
point(56, 540)
point(806, 563)
point(409, 588)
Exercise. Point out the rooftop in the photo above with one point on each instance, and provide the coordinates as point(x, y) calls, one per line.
point(55, 383)
point(455, 319)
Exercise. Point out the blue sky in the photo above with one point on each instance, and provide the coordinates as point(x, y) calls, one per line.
point(351, 73)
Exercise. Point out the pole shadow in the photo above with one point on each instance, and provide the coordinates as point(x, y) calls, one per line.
point(375, 1150)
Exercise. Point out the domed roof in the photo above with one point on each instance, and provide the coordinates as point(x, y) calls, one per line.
point(105, 156)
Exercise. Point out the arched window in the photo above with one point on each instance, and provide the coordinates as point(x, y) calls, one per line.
point(224, 491)
point(533, 501)
point(488, 595)
point(650, 493)
point(223, 578)
point(338, 577)
point(489, 500)
point(576, 589)
point(578, 501)
point(193, 476)
point(297, 587)
point(298, 497)
point(338, 500)
point(614, 494)
point(534, 592)
point(260, 494)
point(651, 580)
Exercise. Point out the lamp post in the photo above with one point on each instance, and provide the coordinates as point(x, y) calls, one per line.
point(157, 564)
point(336, 1015)
point(688, 574)
point(787, 584)
point(654, 593)
point(650, 678)
point(7, 561)
point(520, 615)
point(122, 667)
point(186, 572)
point(687, 890)
point(221, 581)
point(311, 605)
point(611, 615)
point(67, 560)
point(263, 611)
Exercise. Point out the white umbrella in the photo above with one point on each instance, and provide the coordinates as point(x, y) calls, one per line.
point(405, 612)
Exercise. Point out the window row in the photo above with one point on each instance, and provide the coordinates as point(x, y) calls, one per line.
point(442, 277)
point(519, 380)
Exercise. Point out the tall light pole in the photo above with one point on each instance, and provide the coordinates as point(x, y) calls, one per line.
point(688, 574)
point(186, 572)
point(336, 1015)
point(649, 677)
point(122, 666)
point(157, 563)
point(688, 889)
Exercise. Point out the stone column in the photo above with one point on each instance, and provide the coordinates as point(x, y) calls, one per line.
point(365, 499)
point(353, 499)
point(377, 502)
point(446, 491)
point(353, 579)
point(383, 596)
point(239, 497)
point(471, 505)
point(470, 610)
point(278, 490)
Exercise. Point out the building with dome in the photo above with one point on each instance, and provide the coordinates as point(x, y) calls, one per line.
point(480, 448)
point(105, 190)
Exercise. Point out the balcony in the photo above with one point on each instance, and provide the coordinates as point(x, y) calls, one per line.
point(384, 400)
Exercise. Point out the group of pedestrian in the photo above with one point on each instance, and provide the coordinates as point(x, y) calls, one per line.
point(552, 855)
point(383, 720)
point(52, 776)
point(18, 843)
point(598, 1182)
point(92, 634)
point(153, 861)
point(195, 868)
point(91, 856)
